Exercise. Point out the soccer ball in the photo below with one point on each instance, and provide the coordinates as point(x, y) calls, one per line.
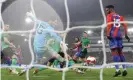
point(91, 60)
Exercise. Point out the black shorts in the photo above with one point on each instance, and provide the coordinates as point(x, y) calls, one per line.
point(61, 54)
point(52, 60)
point(2, 55)
point(8, 52)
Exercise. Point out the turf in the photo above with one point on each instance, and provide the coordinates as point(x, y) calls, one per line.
point(70, 75)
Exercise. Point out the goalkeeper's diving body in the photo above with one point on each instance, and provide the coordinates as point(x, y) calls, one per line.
point(46, 42)
point(114, 35)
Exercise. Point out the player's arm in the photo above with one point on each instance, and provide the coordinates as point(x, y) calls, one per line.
point(8, 42)
point(125, 28)
point(55, 35)
point(76, 45)
point(31, 16)
point(88, 46)
point(108, 29)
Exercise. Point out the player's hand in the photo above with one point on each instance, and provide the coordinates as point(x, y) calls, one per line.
point(109, 37)
point(74, 43)
point(88, 46)
point(127, 38)
point(12, 45)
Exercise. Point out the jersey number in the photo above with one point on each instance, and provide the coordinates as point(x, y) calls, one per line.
point(117, 23)
point(40, 29)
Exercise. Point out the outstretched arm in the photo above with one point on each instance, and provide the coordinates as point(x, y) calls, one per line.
point(55, 35)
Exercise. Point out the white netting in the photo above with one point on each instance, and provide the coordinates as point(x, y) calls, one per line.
point(66, 31)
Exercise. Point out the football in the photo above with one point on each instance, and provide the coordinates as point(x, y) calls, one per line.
point(91, 60)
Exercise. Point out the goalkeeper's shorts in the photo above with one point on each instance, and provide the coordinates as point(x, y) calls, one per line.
point(44, 53)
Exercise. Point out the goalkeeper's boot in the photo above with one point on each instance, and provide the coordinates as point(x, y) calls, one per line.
point(35, 71)
point(117, 73)
point(124, 73)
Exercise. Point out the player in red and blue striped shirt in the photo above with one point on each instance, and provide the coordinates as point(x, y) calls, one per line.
point(114, 34)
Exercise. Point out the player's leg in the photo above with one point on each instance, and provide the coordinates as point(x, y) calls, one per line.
point(38, 69)
point(113, 43)
point(11, 59)
point(62, 64)
point(56, 55)
point(75, 57)
point(41, 58)
point(116, 58)
point(82, 59)
point(51, 61)
point(83, 55)
point(79, 70)
point(14, 63)
point(38, 57)
point(7, 55)
point(50, 56)
point(122, 59)
point(2, 58)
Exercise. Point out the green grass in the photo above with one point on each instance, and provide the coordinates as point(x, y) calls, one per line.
point(70, 75)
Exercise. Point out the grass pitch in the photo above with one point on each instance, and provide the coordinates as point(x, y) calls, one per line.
point(70, 75)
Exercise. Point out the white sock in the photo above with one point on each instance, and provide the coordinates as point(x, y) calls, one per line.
point(117, 70)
